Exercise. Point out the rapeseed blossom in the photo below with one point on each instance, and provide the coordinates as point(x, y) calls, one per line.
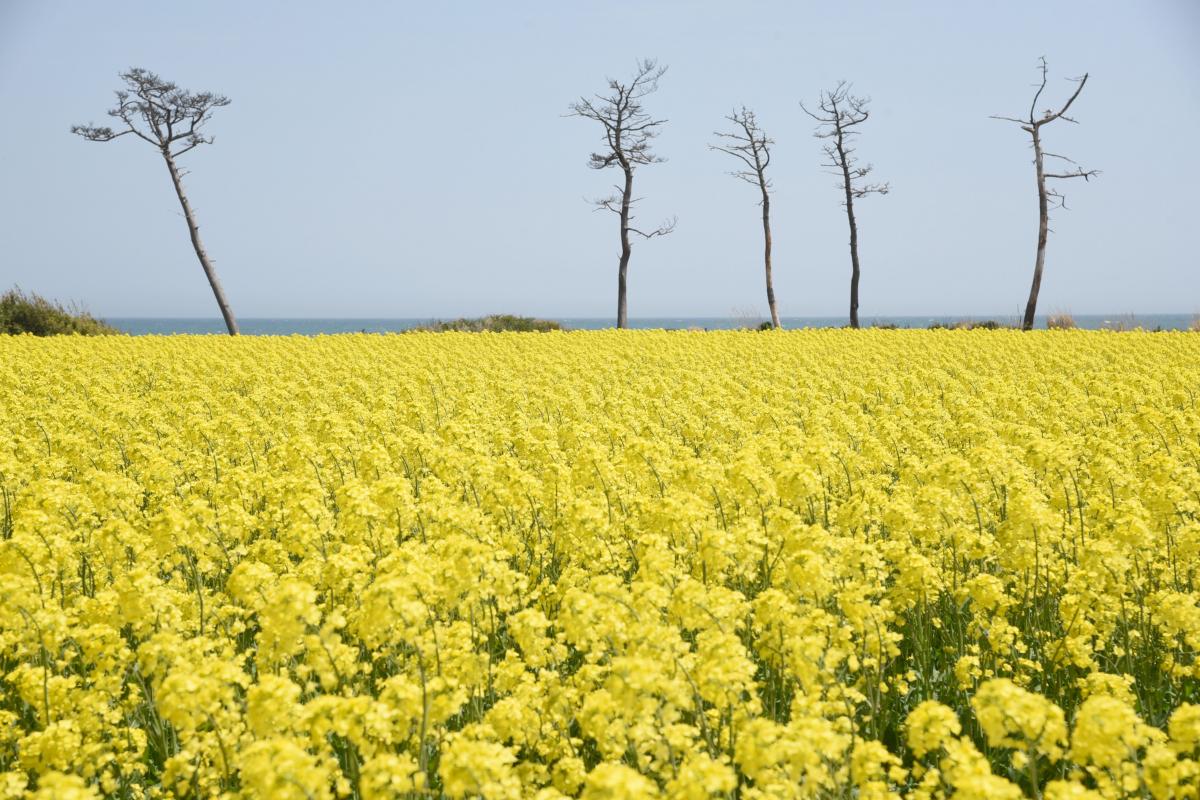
point(805, 564)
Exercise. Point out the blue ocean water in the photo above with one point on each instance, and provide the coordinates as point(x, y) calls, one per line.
point(314, 326)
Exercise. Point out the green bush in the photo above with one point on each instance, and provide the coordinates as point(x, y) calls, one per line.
point(31, 313)
point(494, 323)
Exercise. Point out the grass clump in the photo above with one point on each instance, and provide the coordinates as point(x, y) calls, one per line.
point(32, 313)
point(1060, 321)
point(493, 323)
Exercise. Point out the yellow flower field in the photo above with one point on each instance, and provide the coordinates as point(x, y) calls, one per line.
point(810, 564)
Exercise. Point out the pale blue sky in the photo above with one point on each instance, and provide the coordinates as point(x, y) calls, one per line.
point(413, 160)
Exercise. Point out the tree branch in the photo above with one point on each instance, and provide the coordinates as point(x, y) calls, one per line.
point(749, 144)
point(160, 107)
point(1050, 117)
point(1045, 72)
point(1080, 173)
point(661, 230)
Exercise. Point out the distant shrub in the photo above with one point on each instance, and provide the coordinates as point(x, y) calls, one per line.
point(766, 326)
point(493, 323)
point(970, 325)
point(31, 313)
point(1060, 320)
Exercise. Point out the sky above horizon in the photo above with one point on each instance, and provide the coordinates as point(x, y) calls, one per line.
point(416, 160)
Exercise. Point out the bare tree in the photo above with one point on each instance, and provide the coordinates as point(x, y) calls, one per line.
point(628, 132)
point(170, 119)
point(838, 114)
point(752, 147)
point(1033, 126)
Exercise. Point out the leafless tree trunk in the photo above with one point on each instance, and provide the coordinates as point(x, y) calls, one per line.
point(626, 247)
point(750, 144)
point(855, 270)
point(628, 132)
point(194, 232)
point(1033, 126)
point(838, 114)
point(170, 118)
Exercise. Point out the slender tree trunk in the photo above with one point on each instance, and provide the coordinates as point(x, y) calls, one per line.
point(1043, 231)
point(854, 269)
point(766, 207)
point(623, 267)
point(194, 231)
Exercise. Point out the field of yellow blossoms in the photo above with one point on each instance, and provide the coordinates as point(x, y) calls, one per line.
point(809, 564)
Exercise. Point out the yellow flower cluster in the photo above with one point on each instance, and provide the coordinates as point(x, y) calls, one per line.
point(809, 564)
